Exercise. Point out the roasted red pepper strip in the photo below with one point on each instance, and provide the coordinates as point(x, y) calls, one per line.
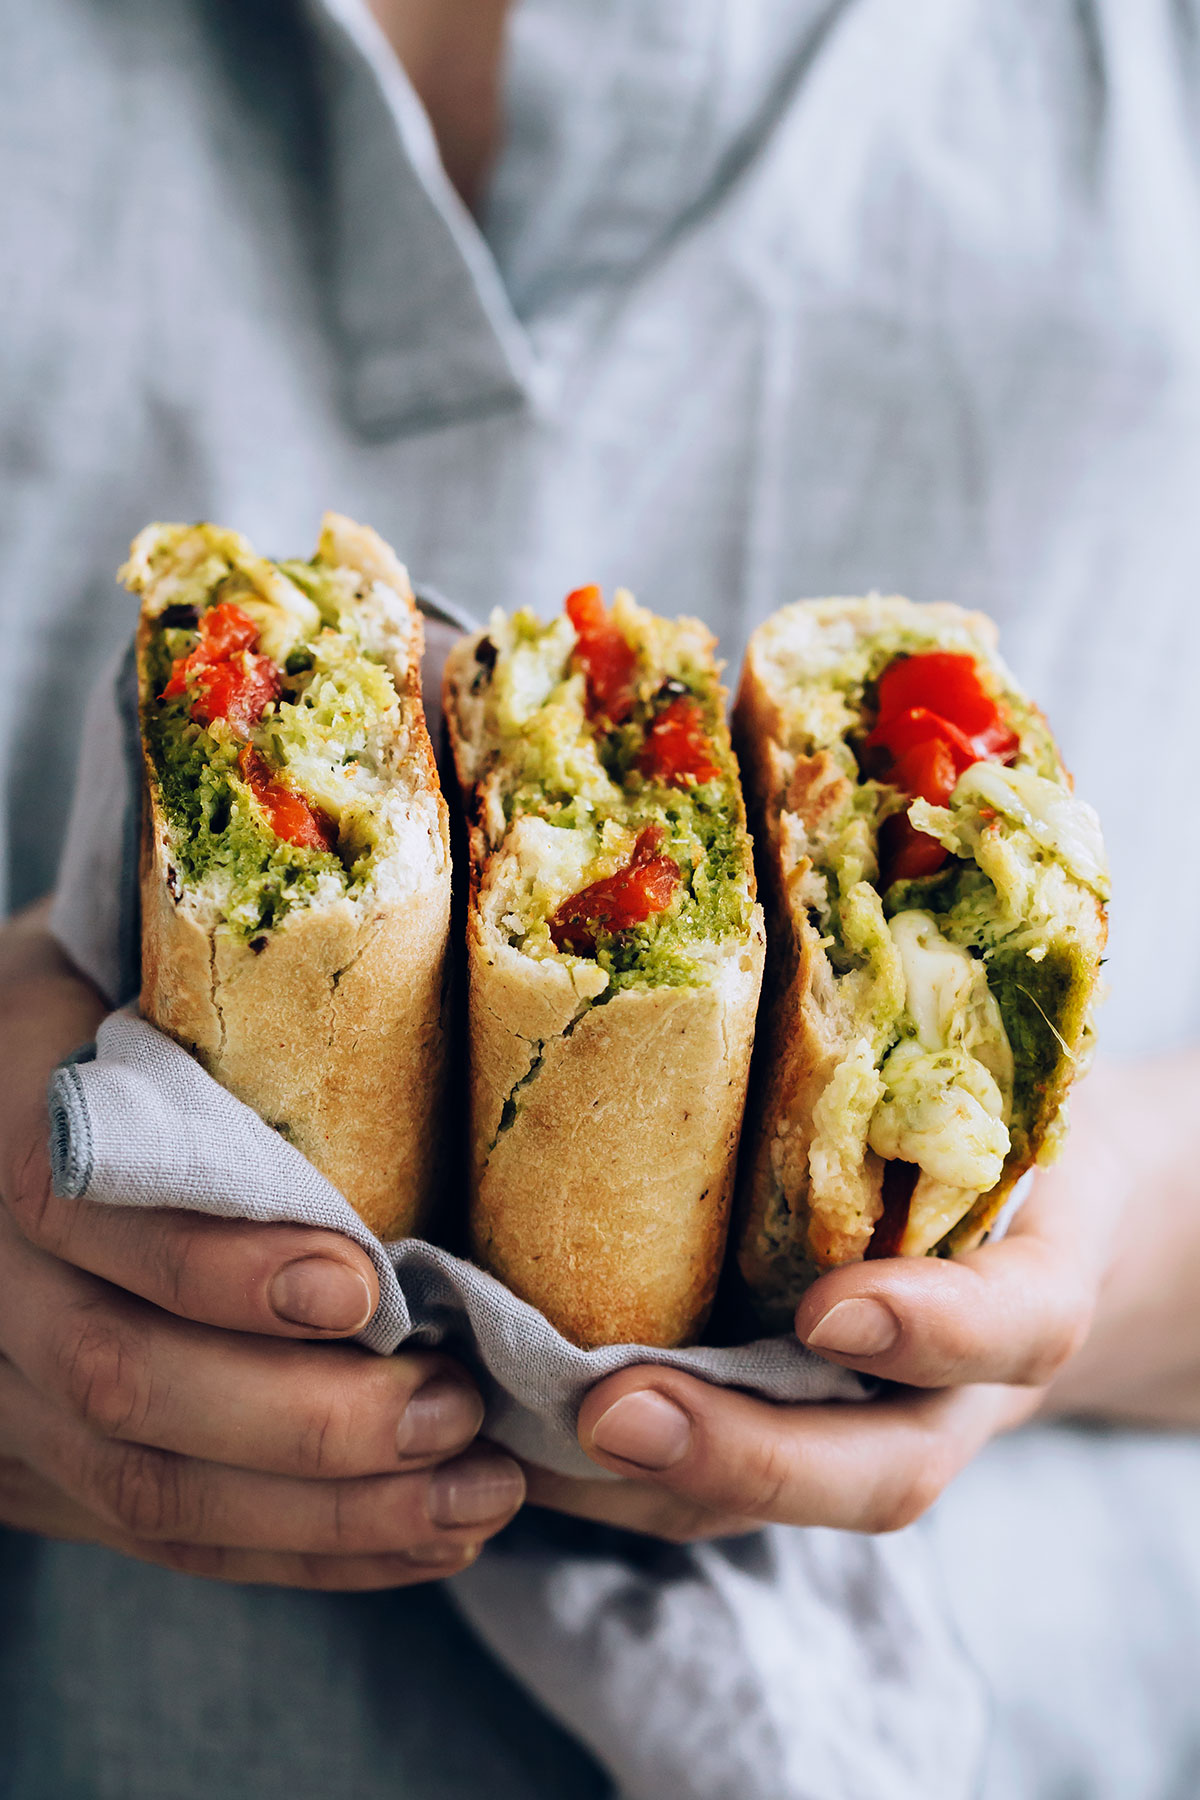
point(227, 679)
point(947, 682)
point(677, 747)
point(604, 656)
point(935, 720)
point(930, 768)
point(906, 853)
point(239, 690)
point(644, 887)
point(918, 725)
point(291, 816)
point(899, 1181)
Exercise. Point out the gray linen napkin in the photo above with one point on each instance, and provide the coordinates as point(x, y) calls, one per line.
point(135, 1121)
point(785, 1665)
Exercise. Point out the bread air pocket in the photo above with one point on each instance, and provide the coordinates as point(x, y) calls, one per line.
point(935, 897)
point(295, 874)
point(615, 952)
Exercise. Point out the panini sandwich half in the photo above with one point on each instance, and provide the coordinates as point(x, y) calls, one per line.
point(935, 898)
point(615, 951)
point(295, 874)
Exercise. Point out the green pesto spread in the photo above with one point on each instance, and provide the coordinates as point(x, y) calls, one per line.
point(323, 736)
point(970, 988)
point(544, 759)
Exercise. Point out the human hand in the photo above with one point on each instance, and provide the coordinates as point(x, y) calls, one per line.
point(975, 1343)
point(158, 1394)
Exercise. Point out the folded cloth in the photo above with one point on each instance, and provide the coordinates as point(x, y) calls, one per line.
point(781, 1666)
point(134, 1120)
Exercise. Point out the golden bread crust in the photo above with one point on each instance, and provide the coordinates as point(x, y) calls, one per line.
point(783, 1242)
point(335, 1030)
point(603, 1136)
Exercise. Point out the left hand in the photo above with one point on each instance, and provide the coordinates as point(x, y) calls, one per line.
point(975, 1343)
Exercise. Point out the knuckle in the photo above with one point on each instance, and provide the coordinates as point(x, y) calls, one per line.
point(352, 1508)
point(324, 1437)
point(173, 1256)
point(904, 1502)
point(145, 1494)
point(683, 1522)
point(345, 1411)
point(29, 1197)
point(1058, 1343)
point(100, 1371)
point(762, 1486)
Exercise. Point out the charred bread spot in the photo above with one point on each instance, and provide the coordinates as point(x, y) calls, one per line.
point(258, 944)
point(485, 656)
point(174, 885)
point(180, 617)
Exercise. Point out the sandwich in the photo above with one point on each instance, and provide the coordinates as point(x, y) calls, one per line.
point(615, 951)
point(935, 898)
point(295, 866)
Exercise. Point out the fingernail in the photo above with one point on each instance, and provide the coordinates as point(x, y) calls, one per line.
point(442, 1415)
point(644, 1428)
point(855, 1328)
point(471, 1493)
point(319, 1292)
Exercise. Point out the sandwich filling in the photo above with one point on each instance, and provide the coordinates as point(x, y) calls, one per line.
point(274, 725)
point(607, 794)
point(929, 835)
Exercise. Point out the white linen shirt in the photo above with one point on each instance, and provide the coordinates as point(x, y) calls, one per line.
point(768, 300)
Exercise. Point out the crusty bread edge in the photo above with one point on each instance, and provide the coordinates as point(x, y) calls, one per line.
point(604, 1200)
point(793, 1054)
point(336, 1030)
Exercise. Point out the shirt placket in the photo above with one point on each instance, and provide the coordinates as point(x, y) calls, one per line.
point(425, 330)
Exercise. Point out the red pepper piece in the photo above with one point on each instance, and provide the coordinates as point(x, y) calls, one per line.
point(931, 767)
point(677, 748)
point(644, 887)
point(604, 656)
point(225, 629)
point(291, 816)
point(936, 719)
point(903, 731)
point(239, 690)
point(905, 853)
point(899, 1181)
point(228, 680)
point(947, 682)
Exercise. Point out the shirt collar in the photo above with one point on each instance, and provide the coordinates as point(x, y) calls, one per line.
point(427, 331)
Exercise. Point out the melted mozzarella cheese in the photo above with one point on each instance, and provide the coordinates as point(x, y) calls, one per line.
point(1065, 826)
point(948, 1089)
point(941, 1110)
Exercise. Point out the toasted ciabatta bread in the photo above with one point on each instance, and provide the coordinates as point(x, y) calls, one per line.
point(615, 954)
point(295, 874)
point(935, 905)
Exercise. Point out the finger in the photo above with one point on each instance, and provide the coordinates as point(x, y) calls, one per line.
point(632, 1506)
point(155, 1496)
point(28, 1502)
point(1012, 1312)
point(130, 1372)
point(285, 1280)
point(874, 1466)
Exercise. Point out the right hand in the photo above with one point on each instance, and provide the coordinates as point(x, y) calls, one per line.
point(157, 1394)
